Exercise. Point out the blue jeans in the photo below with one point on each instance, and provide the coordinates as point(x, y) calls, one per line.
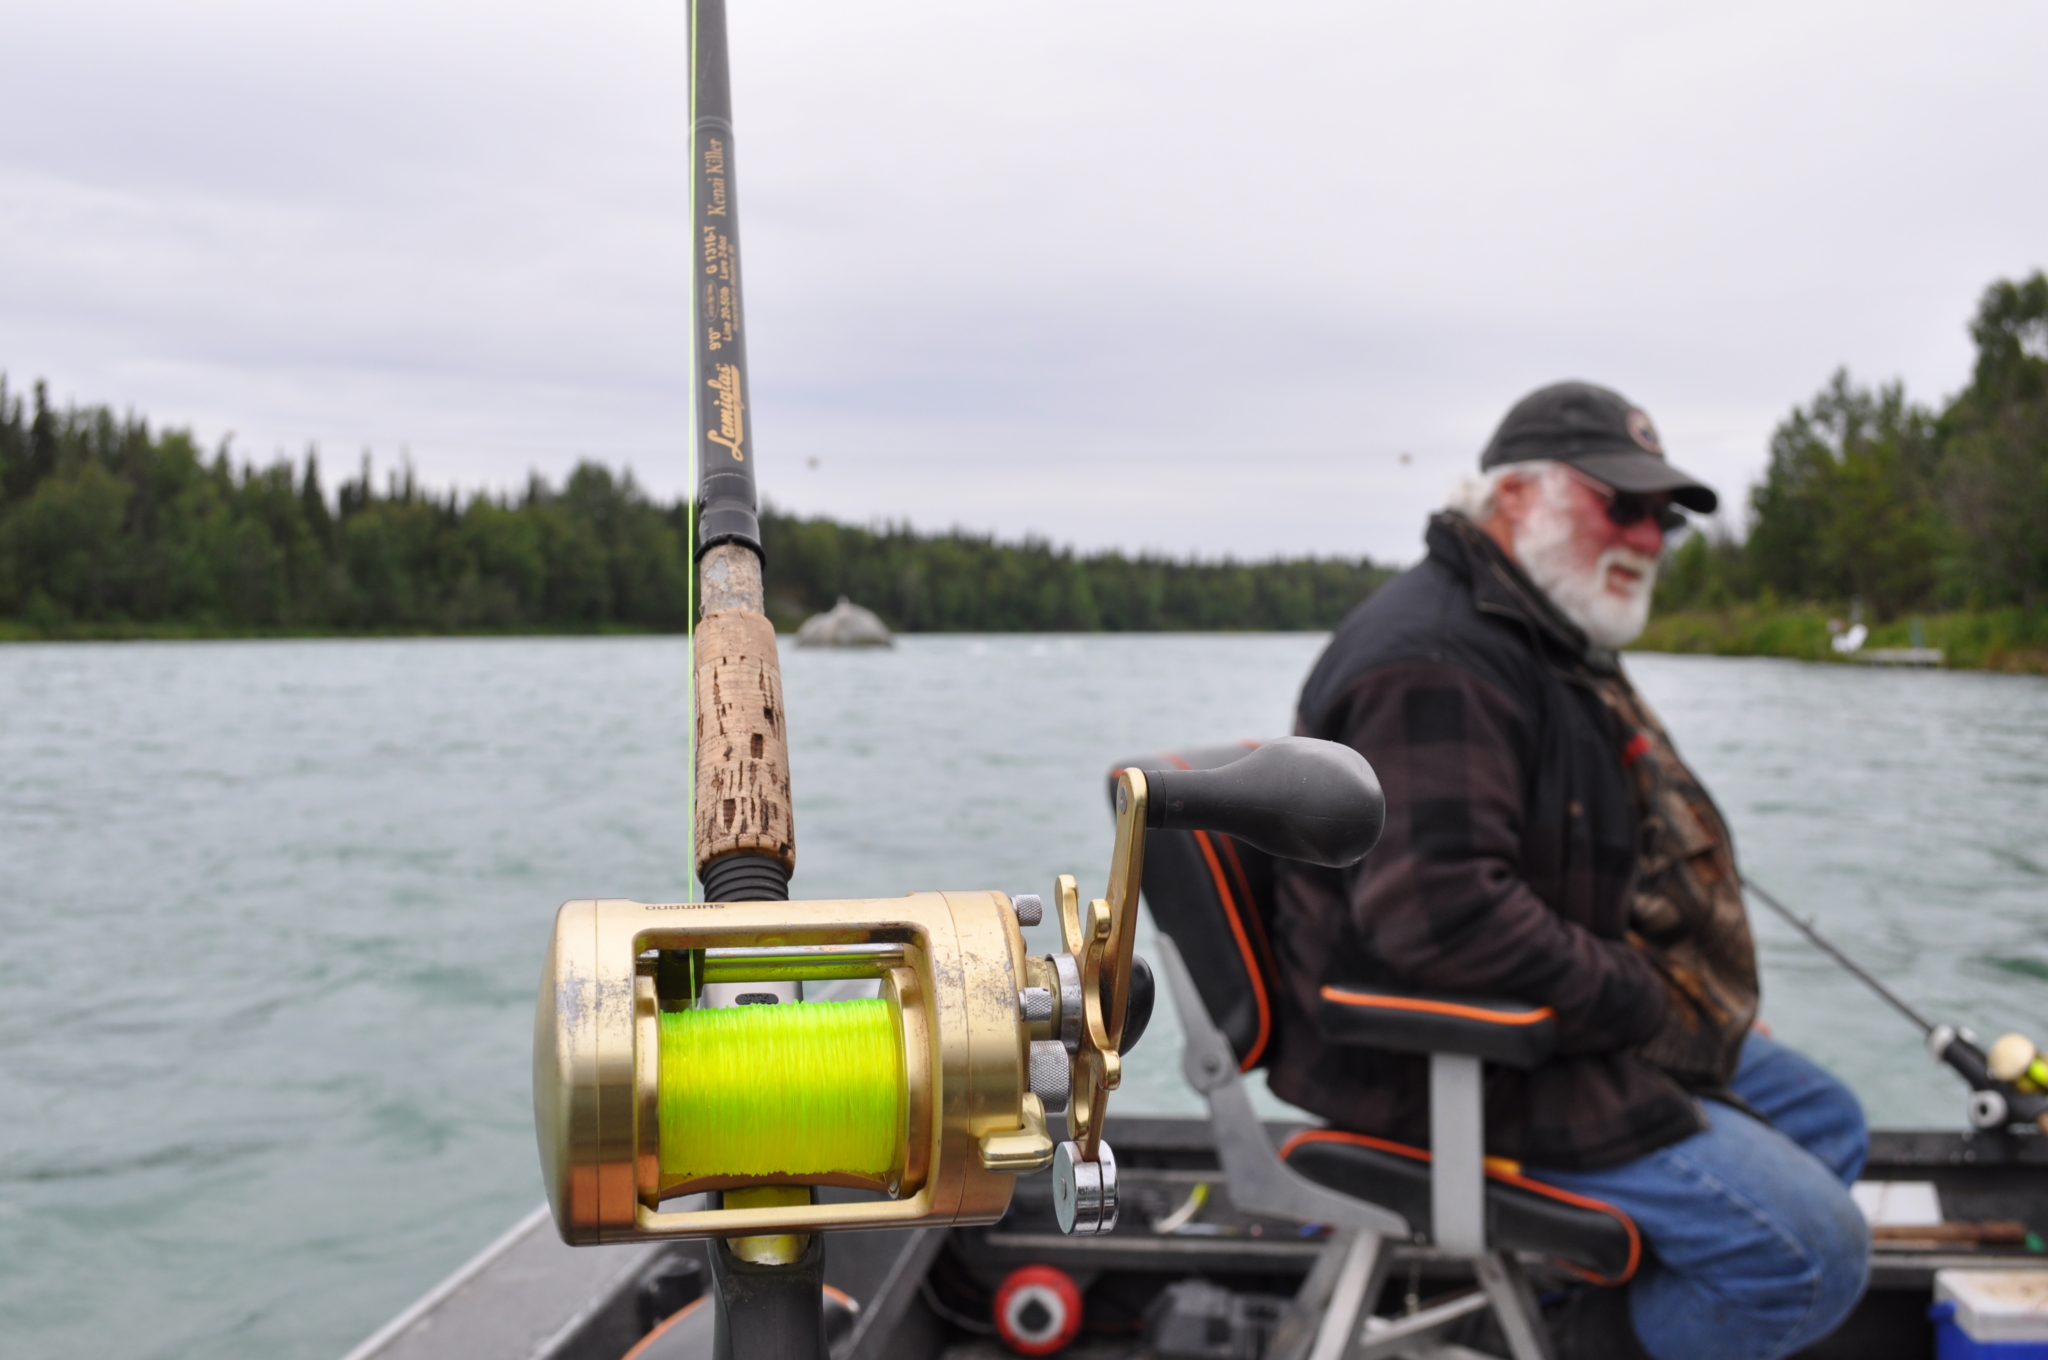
point(1755, 1248)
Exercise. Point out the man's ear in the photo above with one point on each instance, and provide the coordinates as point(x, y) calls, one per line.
point(1513, 494)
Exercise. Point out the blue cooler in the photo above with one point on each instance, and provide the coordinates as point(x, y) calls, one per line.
point(1990, 1314)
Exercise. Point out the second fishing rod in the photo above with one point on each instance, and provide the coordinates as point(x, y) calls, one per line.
point(2008, 1084)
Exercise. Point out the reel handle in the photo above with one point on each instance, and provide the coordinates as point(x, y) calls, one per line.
point(1294, 797)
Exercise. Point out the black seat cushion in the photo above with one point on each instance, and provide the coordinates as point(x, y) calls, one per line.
point(1210, 893)
point(1587, 1236)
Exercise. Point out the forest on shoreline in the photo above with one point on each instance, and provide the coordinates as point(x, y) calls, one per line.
point(1917, 519)
point(109, 529)
point(1876, 507)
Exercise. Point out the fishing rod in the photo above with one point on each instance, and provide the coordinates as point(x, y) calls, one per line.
point(744, 833)
point(2008, 1085)
point(683, 1086)
point(1854, 968)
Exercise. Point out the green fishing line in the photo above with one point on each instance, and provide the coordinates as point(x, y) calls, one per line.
point(805, 1089)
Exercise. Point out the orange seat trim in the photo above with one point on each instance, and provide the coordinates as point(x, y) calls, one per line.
point(1496, 1173)
point(1407, 1003)
point(1252, 966)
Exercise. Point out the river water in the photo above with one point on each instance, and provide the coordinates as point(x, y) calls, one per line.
point(274, 911)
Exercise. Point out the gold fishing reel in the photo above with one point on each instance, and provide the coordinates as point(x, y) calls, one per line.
point(930, 1096)
point(642, 1095)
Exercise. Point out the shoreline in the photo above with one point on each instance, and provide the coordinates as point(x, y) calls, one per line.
point(15, 630)
point(2014, 640)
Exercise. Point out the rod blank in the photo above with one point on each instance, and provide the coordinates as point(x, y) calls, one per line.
point(1821, 943)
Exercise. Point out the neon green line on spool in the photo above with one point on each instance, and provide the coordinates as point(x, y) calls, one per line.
point(808, 1089)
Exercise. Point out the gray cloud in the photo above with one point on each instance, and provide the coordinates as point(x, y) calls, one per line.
point(1180, 276)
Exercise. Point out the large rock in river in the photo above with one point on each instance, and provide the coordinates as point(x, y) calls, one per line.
point(845, 624)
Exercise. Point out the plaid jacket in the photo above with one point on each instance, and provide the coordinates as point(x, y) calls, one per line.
point(1507, 867)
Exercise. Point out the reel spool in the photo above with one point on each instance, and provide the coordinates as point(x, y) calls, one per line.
point(933, 1095)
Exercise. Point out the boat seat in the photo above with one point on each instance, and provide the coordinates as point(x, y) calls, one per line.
point(1587, 1236)
point(1211, 897)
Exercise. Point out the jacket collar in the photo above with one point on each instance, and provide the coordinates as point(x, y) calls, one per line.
point(1500, 587)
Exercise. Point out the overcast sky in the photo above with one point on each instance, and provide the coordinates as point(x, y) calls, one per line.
point(1177, 276)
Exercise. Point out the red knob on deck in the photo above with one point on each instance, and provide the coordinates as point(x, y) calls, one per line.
point(1038, 1310)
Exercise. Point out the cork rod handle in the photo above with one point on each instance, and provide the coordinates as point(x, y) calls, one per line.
point(743, 803)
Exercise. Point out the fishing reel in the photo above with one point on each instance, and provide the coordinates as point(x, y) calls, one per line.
point(932, 1095)
point(2008, 1084)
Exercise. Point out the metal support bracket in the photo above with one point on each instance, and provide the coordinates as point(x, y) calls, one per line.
point(1514, 1304)
point(1259, 1181)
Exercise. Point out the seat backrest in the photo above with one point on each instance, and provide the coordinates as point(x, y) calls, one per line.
point(1213, 894)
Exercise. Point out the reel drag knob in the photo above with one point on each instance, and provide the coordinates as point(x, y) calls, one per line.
point(1052, 1074)
point(1084, 1193)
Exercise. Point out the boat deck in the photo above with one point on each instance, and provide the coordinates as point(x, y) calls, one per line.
point(924, 1292)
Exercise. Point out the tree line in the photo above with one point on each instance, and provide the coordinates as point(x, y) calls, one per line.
point(107, 526)
point(970, 583)
point(1870, 497)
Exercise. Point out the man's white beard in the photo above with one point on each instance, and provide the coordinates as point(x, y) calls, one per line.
point(1544, 547)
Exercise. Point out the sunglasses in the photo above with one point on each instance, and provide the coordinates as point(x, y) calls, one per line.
point(1628, 508)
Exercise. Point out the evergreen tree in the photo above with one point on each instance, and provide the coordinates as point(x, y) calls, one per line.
point(1996, 476)
point(13, 444)
point(313, 502)
point(42, 443)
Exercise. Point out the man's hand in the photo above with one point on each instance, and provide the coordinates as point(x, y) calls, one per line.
point(1692, 1045)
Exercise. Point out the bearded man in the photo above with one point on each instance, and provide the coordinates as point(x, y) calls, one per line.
point(1545, 843)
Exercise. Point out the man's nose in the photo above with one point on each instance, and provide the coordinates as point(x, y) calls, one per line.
point(1644, 536)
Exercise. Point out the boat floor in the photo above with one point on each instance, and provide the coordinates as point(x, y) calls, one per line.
point(924, 1293)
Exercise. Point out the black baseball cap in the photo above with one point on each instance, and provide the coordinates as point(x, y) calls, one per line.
point(1599, 432)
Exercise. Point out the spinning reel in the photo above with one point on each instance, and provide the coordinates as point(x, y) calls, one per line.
point(2008, 1084)
point(933, 1094)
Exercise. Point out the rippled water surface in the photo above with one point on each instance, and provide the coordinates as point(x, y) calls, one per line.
point(273, 912)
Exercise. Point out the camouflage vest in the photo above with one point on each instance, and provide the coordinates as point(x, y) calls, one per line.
point(1688, 916)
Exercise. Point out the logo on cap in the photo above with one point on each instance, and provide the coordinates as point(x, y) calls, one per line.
point(1644, 433)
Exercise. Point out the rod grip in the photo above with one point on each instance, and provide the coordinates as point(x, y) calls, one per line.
point(1295, 797)
point(743, 802)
